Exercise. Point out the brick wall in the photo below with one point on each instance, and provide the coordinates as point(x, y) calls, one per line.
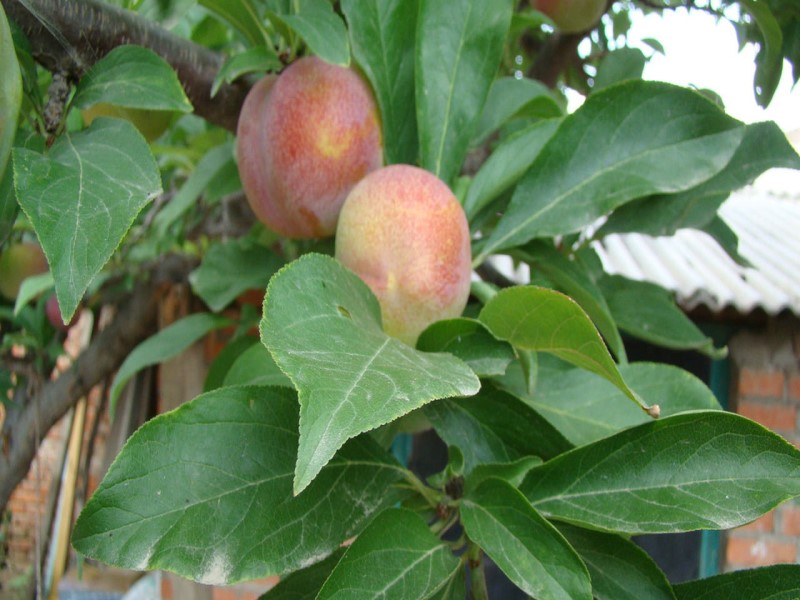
point(766, 388)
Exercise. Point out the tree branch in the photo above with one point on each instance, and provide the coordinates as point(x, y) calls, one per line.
point(69, 36)
point(135, 321)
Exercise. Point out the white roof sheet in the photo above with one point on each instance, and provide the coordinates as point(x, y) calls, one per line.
point(693, 266)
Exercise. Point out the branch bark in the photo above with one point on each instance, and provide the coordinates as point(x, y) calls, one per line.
point(69, 36)
point(135, 321)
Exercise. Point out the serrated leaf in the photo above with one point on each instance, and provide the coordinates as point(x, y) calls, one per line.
point(647, 311)
point(242, 15)
point(306, 583)
point(506, 164)
point(573, 278)
point(470, 341)
point(260, 58)
point(255, 366)
point(699, 470)
point(166, 344)
point(231, 268)
point(321, 28)
point(494, 427)
point(775, 582)
point(764, 146)
point(10, 92)
point(82, 198)
point(529, 550)
point(586, 408)
point(544, 320)
point(619, 569)
point(133, 77)
point(322, 325)
point(382, 35)
point(459, 47)
point(225, 461)
point(509, 97)
point(395, 557)
point(627, 141)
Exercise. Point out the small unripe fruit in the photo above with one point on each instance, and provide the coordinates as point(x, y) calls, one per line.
point(304, 139)
point(150, 123)
point(405, 234)
point(17, 263)
point(572, 16)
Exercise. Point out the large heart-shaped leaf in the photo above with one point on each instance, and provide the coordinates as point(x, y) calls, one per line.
point(322, 325)
point(382, 34)
point(395, 557)
point(82, 198)
point(699, 470)
point(529, 550)
point(225, 461)
point(133, 77)
point(459, 47)
point(543, 320)
point(627, 141)
point(620, 570)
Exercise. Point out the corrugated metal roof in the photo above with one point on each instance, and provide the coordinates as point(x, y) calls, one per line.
point(693, 266)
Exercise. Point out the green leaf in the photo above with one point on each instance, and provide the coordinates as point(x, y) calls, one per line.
point(261, 58)
point(619, 569)
point(512, 472)
point(382, 36)
point(510, 97)
point(225, 461)
point(82, 198)
point(769, 61)
point(166, 344)
point(133, 77)
point(395, 557)
point(572, 278)
point(10, 96)
point(213, 163)
point(459, 47)
point(506, 164)
point(224, 360)
point(322, 30)
point(30, 288)
point(619, 65)
point(322, 325)
point(242, 15)
point(306, 583)
point(9, 208)
point(543, 320)
point(255, 366)
point(726, 237)
point(529, 550)
point(470, 341)
point(776, 582)
point(764, 146)
point(647, 311)
point(494, 427)
point(627, 141)
point(231, 268)
point(586, 408)
point(698, 470)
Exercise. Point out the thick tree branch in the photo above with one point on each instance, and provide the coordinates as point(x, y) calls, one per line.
point(69, 36)
point(134, 322)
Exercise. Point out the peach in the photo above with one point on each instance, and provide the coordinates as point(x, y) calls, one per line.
point(572, 16)
point(405, 234)
point(304, 139)
point(18, 262)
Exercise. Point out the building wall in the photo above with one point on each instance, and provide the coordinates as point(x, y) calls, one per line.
point(766, 388)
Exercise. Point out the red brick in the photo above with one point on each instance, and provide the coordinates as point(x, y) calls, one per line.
point(781, 417)
point(764, 524)
point(764, 384)
point(794, 387)
point(744, 552)
point(224, 593)
point(790, 520)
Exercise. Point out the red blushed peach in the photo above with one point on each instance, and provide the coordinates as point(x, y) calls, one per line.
point(304, 139)
point(572, 16)
point(405, 234)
